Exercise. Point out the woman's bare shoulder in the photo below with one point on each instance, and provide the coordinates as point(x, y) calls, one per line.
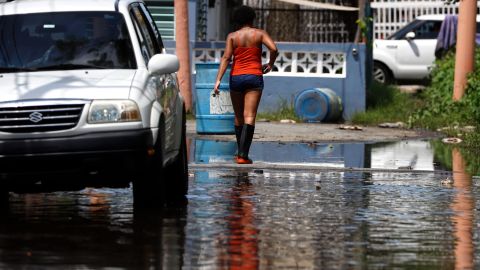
point(231, 35)
point(261, 31)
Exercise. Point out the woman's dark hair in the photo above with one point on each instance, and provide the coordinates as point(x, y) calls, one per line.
point(243, 15)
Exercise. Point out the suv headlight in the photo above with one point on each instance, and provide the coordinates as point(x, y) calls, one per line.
point(113, 111)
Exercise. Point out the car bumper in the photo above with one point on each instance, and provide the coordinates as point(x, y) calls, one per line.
point(93, 154)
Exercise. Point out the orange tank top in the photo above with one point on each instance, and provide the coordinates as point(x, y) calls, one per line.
point(246, 60)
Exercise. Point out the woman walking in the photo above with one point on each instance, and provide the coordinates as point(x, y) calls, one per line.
point(246, 76)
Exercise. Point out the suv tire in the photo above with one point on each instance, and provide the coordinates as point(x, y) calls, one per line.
point(381, 73)
point(148, 188)
point(176, 173)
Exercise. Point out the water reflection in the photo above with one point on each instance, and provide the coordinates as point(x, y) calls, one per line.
point(242, 237)
point(415, 155)
point(332, 155)
point(91, 229)
point(463, 205)
point(262, 219)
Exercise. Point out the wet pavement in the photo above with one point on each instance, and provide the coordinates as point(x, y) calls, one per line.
point(396, 205)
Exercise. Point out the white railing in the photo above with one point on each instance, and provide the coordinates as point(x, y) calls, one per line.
point(389, 16)
point(291, 63)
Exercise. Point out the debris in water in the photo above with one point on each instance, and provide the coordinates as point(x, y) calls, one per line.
point(447, 182)
point(288, 121)
point(392, 125)
point(346, 127)
point(263, 120)
point(451, 140)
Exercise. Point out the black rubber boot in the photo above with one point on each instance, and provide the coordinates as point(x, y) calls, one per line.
point(238, 134)
point(246, 140)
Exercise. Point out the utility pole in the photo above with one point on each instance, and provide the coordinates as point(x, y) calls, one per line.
point(465, 52)
point(361, 17)
point(183, 51)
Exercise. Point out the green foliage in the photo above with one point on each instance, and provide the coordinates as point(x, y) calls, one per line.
point(380, 95)
point(385, 103)
point(285, 110)
point(190, 116)
point(363, 25)
point(432, 109)
point(440, 110)
point(443, 155)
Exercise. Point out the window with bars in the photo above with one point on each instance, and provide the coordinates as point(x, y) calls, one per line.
point(164, 15)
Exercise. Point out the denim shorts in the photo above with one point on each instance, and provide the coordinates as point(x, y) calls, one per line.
point(240, 83)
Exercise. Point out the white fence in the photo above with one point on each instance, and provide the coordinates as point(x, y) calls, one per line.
point(389, 16)
point(291, 63)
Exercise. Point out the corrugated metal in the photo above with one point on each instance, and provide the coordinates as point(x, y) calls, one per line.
point(163, 13)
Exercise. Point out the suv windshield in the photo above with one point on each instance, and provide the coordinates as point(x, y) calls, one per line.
point(67, 40)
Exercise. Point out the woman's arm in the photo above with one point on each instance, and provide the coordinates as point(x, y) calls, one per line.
point(227, 56)
point(268, 42)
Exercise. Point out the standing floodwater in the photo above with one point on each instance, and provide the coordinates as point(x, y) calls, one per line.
point(261, 219)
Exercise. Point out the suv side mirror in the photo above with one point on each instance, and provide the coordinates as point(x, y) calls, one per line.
point(163, 64)
point(410, 35)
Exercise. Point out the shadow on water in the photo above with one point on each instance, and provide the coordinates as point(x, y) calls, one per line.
point(264, 219)
point(91, 229)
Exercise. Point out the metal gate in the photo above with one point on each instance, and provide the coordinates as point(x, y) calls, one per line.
point(294, 23)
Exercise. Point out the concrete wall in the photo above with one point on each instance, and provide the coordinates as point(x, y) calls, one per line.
point(351, 89)
point(284, 85)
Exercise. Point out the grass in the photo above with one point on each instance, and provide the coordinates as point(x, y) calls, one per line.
point(190, 116)
point(430, 110)
point(285, 111)
point(385, 103)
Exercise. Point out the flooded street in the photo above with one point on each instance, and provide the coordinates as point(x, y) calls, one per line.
point(332, 206)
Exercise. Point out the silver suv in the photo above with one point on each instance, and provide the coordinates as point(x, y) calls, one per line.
point(89, 97)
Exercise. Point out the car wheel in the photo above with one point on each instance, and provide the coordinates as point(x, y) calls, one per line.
point(381, 73)
point(176, 173)
point(148, 189)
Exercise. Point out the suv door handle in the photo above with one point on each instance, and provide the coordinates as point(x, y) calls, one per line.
point(392, 46)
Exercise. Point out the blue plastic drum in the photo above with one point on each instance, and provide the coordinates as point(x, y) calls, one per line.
point(318, 105)
point(214, 113)
point(210, 151)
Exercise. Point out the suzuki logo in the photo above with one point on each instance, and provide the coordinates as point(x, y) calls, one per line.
point(36, 117)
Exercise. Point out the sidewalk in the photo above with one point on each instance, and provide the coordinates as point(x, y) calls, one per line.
point(274, 131)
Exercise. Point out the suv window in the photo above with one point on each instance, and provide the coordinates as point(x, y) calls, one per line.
point(153, 25)
point(145, 34)
point(66, 40)
point(400, 34)
point(427, 30)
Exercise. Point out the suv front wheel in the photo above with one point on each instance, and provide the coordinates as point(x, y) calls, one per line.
point(176, 173)
point(156, 184)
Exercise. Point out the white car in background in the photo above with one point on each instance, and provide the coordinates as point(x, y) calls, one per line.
point(89, 97)
point(409, 53)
